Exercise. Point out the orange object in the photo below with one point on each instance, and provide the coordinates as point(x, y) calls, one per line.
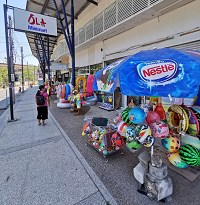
point(63, 92)
point(85, 127)
point(159, 109)
point(89, 141)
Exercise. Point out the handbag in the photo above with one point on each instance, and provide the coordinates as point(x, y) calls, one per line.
point(99, 121)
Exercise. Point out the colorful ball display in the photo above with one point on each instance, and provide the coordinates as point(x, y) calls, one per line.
point(130, 133)
point(190, 155)
point(159, 129)
point(142, 131)
point(152, 117)
point(122, 126)
point(149, 141)
point(137, 115)
point(171, 143)
point(175, 159)
point(125, 116)
point(118, 140)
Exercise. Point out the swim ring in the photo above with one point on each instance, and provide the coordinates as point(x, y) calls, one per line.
point(177, 119)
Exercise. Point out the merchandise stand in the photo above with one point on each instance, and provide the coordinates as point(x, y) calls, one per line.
point(111, 128)
point(106, 105)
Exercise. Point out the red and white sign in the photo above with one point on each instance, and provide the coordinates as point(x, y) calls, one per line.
point(35, 23)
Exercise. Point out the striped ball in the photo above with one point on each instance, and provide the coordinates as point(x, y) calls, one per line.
point(190, 155)
point(125, 116)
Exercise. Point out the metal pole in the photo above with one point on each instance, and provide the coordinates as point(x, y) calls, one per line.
point(8, 62)
point(48, 63)
point(34, 75)
point(22, 70)
point(28, 74)
point(11, 57)
point(6, 98)
point(72, 45)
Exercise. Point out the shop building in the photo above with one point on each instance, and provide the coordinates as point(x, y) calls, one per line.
point(118, 28)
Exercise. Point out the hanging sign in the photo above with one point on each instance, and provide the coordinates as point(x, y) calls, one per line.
point(59, 66)
point(28, 21)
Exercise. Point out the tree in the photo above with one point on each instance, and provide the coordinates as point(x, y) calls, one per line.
point(3, 75)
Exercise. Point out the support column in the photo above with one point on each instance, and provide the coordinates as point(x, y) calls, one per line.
point(8, 62)
point(72, 45)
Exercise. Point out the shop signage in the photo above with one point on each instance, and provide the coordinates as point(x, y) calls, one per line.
point(27, 21)
point(157, 71)
point(59, 66)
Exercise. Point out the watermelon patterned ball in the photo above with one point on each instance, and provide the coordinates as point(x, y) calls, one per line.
point(137, 115)
point(152, 117)
point(118, 140)
point(130, 133)
point(159, 129)
point(171, 143)
point(125, 116)
point(175, 159)
point(190, 155)
point(142, 131)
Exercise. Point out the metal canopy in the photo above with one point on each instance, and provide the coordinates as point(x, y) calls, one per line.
point(47, 7)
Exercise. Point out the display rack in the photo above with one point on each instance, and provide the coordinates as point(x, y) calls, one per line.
point(110, 127)
point(106, 105)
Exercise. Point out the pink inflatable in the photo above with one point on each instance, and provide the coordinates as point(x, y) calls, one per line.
point(152, 117)
point(89, 89)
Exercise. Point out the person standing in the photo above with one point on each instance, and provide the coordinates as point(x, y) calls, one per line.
point(42, 99)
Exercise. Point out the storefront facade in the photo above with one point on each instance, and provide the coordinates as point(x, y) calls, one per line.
point(118, 28)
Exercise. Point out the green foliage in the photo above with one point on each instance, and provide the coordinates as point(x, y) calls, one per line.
point(3, 75)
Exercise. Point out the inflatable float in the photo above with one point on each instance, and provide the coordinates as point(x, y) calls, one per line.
point(177, 119)
point(89, 101)
point(63, 105)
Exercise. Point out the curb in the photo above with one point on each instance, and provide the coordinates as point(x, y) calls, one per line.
point(105, 193)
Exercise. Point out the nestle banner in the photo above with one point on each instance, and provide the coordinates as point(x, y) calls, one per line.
point(158, 72)
point(35, 23)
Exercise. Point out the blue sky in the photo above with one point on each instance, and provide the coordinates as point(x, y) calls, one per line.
point(19, 37)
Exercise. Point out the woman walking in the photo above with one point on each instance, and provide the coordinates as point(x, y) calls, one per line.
point(41, 99)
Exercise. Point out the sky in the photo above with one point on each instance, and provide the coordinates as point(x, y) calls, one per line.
point(20, 39)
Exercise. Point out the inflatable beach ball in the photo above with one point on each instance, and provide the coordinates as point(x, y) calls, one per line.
point(149, 141)
point(159, 129)
point(142, 131)
point(137, 115)
point(175, 159)
point(118, 140)
point(171, 143)
point(121, 128)
point(190, 155)
point(130, 133)
point(152, 117)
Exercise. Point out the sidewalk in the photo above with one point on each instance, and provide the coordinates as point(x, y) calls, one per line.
point(41, 165)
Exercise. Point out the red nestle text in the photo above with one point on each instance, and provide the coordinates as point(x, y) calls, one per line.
point(158, 69)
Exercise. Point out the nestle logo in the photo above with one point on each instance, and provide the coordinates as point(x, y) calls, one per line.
point(157, 71)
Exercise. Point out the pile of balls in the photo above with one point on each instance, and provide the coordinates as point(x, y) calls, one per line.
point(139, 128)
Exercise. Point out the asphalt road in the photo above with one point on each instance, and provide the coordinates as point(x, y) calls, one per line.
point(3, 103)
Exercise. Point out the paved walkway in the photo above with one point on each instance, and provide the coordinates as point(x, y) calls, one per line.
point(40, 165)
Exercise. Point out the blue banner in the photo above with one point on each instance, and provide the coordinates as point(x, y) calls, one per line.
point(158, 72)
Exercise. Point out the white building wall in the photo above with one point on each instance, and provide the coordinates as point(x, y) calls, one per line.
point(173, 23)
